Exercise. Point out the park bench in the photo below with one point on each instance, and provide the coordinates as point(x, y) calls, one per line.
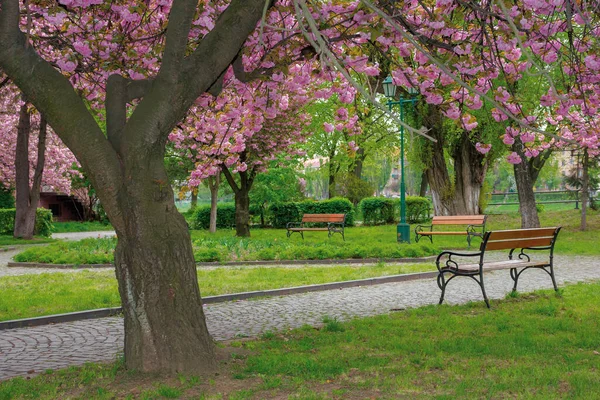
point(335, 224)
point(530, 240)
point(475, 226)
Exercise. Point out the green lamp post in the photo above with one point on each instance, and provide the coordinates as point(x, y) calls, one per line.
point(403, 229)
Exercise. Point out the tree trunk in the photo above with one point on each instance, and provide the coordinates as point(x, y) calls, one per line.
point(525, 183)
point(526, 174)
point(213, 185)
point(460, 195)
point(242, 213)
point(27, 198)
point(424, 184)
point(331, 182)
point(359, 161)
point(242, 198)
point(165, 328)
point(585, 189)
point(194, 200)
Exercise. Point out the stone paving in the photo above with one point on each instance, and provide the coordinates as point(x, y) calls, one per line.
point(29, 351)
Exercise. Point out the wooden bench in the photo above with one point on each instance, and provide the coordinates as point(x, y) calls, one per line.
point(530, 240)
point(475, 226)
point(335, 224)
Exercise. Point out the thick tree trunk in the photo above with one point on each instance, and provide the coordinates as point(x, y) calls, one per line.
point(585, 189)
point(213, 185)
point(165, 328)
point(359, 161)
point(27, 198)
point(458, 195)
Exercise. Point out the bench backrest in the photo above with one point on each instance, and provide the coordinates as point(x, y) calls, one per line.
point(459, 220)
point(519, 238)
point(311, 218)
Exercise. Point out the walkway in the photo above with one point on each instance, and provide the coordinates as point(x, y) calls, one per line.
point(33, 350)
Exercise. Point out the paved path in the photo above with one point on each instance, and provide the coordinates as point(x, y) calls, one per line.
point(32, 350)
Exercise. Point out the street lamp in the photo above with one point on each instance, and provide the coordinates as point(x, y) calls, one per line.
point(403, 229)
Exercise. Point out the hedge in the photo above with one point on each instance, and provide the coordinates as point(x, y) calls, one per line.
point(43, 222)
point(6, 198)
point(282, 213)
point(377, 210)
point(417, 209)
point(225, 216)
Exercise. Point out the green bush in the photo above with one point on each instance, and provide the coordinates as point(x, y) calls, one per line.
point(377, 210)
point(43, 222)
point(282, 213)
point(417, 209)
point(225, 216)
point(6, 198)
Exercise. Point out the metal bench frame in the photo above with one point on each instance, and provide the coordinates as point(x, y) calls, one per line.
point(335, 224)
point(472, 229)
point(537, 239)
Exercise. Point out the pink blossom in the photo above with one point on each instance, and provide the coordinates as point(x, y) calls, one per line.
point(513, 158)
point(483, 148)
point(328, 127)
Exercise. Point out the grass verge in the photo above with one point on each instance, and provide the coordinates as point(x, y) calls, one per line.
point(535, 346)
point(29, 296)
point(8, 240)
point(75, 226)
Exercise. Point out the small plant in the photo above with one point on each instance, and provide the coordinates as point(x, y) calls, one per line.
point(333, 325)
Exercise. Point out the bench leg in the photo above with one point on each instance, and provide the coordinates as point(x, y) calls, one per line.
point(485, 298)
point(515, 277)
point(441, 282)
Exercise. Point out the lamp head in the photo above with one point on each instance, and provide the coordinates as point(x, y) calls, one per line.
point(389, 89)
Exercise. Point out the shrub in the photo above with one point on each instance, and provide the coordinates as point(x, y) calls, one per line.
point(43, 222)
point(282, 213)
point(417, 209)
point(225, 216)
point(6, 198)
point(377, 210)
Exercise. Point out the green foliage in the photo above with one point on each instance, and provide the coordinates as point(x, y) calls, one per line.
point(353, 188)
point(6, 198)
point(282, 213)
point(377, 210)
point(225, 216)
point(540, 208)
point(417, 209)
point(43, 222)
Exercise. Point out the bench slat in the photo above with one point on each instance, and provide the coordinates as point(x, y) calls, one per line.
point(503, 265)
point(443, 233)
point(307, 229)
point(517, 243)
point(521, 233)
point(459, 220)
point(323, 218)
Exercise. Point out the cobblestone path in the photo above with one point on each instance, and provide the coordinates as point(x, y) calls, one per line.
point(33, 350)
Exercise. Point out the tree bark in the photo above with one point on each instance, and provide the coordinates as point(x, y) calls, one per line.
point(585, 188)
point(458, 195)
point(526, 174)
point(213, 185)
point(241, 198)
point(165, 329)
point(194, 199)
point(27, 198)
point(424, 184)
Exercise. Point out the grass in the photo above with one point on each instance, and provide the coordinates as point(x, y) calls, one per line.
point(29, 296)
point(9, 240)
point(361, 242)
point(535, 346)
point(74, 226)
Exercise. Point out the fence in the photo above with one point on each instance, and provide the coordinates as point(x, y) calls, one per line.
point(541, 197)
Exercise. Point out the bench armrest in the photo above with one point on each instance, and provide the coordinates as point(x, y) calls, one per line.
point(450, 261)
point(334, 224)
point(419, 228)
point(293, 225)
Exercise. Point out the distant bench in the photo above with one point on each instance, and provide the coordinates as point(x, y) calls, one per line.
point(475, 226)
point(524, 239)
point(335, 224)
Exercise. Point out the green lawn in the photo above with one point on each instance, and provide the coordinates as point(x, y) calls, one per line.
point(538, 346)
point(74, 226)
point(361, 242)
point(54, 293)
point(9, 240)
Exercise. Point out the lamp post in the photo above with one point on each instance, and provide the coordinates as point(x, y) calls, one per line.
point(403, 229)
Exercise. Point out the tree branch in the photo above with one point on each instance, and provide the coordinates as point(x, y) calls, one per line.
point(230, 178)
point(34, 195)
point(180, 22)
